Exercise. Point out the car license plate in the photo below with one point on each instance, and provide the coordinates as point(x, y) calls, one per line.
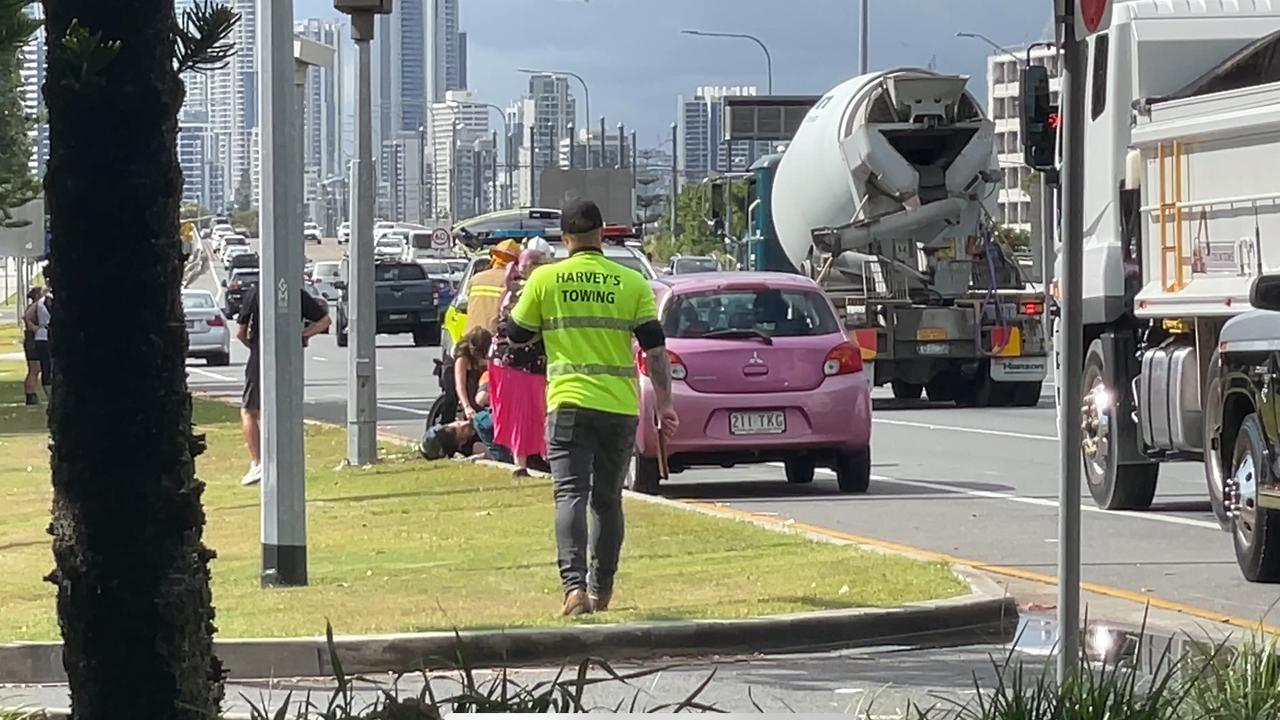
point(926, 334)
point(770, 422)
point(933, 348)
point(191, 324)
point(398, 316)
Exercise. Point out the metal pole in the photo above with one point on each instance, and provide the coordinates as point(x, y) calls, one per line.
point(533, 168)
point(362, 380)
point(675, 175)
point(453, 170)
point(622, 146)
point(1071, 354)
point(284, 520)
point(864, 34)
point(603, 147)
point(493, 170)
point(573, 145)
point(1047, 250)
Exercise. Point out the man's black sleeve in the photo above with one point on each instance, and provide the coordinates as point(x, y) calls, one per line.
point(518, 334)
point(650, 336)
point(248, 306)
point(312, 309)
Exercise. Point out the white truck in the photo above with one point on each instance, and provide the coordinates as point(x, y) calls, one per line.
point(885, 196)
point(1181, 215)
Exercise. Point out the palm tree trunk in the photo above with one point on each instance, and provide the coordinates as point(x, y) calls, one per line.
point(132, 569)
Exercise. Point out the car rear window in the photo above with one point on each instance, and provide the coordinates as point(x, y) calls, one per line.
point(776, 313)
point(245, 277)
point(435, 268)
point(692, 265)
point(399, 273)
point(199, 301)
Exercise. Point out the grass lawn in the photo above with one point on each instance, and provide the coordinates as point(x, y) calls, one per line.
point(10, 336)
point(413, 546)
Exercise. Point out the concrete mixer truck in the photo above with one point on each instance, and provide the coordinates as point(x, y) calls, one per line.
point(885, 196)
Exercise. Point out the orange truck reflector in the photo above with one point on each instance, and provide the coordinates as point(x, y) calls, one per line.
point(868, 343)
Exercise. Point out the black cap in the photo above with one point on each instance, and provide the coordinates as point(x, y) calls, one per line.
point(580, 217)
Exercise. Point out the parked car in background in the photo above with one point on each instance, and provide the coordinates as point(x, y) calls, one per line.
point(344, 233)
point(234, 289)
point(228, 241)
point(231, 252)
point(325, 278)
point(689, 264)
point(207, 335)
point(311, 233)
point(244, 261)
point(389, 247)
point(763, 372)
point(406, 301)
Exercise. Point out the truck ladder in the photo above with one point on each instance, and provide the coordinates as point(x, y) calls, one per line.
point(1171, 207)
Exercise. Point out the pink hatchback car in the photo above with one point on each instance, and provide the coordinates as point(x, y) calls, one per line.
point(762, 372)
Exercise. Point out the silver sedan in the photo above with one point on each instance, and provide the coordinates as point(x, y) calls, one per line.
point(207, 334)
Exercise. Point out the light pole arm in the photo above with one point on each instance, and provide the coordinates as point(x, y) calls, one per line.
point(768, 58)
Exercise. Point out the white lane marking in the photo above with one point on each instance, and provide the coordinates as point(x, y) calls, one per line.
point(1038, 502)
point(972, 431)
point(401, 408)
point(215, 376)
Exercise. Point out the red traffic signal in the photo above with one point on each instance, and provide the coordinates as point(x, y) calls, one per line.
point(1055, 121)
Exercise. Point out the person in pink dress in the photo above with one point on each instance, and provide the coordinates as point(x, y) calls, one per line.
point(518, 373)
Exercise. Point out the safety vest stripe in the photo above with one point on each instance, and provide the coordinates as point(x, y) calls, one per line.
point(619, 371)
point(588, 323)
point(486, 290)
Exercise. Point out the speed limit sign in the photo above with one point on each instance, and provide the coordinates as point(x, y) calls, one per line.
point(440, 239)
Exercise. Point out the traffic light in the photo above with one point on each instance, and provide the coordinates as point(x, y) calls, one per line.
point(1040, 120)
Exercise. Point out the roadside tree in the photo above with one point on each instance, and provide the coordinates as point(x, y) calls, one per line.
point(132, 569)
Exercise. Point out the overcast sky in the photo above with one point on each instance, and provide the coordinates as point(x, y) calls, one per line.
point(637, 62)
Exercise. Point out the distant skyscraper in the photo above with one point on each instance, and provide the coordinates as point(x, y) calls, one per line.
point(322, 121)
point(445, 49)
point(233, 110)
point(538, 123)
point(462, 61)
point(32, 72)
point(702, 146)
point(458, 123)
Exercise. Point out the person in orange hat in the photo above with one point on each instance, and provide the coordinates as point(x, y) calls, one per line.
point(484, 291)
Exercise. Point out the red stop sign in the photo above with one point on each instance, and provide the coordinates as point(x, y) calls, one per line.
point(1092, 13)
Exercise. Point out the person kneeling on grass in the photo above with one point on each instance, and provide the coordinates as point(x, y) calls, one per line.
point(470, 438)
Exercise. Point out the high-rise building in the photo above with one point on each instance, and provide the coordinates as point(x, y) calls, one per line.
point(322, 119)
point(405, 197)
point(588, 153)
point(32, 71)
point(458, 123)
point(445, 49)
point(701, 136)
point(538, 123)
point(202, 175)
point(1004, 88)
point(233, 110)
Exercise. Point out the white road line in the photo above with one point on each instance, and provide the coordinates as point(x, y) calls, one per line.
point(971, 431)
point(401, 408)
point(1038, 502)
point(213, 375)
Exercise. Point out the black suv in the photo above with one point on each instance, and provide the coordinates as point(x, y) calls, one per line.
point(235, 287)
point(407, 301)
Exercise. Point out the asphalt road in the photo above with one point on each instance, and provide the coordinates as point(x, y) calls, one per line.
point(980, 485)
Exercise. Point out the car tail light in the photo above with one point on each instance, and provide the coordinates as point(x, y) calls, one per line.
point(234, 285)
point(216, 321)
point(844, 359)
point(1032, 307)
point(678, 370)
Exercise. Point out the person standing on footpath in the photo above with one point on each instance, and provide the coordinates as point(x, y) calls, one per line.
point(587, 309)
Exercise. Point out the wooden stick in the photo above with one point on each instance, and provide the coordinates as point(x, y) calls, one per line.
point(663, 472)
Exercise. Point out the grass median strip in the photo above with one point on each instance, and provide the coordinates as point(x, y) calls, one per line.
point(414, 546)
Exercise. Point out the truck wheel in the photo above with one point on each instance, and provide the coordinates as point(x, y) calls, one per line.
point(903, 390)
point(853, 471)
point(1026, 394)
point(1214, 473)
point(1255, 531)
point(1113, 486)
point(644, 477)
point(979, 392)
point(800, 471)
point(342, 338)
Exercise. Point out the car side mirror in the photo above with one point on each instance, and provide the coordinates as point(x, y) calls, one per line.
point(224, 283)
point(340, 284)
point(1265, 294)
point(1039, 120)
point(461, 303)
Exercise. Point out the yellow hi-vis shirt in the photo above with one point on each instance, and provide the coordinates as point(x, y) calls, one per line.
point(587, 308)
point(484, 299)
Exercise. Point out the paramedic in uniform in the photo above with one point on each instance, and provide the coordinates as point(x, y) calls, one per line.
point(588, 309)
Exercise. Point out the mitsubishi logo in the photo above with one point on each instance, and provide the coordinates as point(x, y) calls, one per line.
point(755, 359)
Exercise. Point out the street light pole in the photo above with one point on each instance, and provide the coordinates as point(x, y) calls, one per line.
point(864, 38)
point(768, 57)
point(998, 48)
point(362, 380)
point(506, 131)
point(586, 98)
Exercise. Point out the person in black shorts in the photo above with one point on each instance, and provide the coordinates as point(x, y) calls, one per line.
point(35, 346)
point(315, 315)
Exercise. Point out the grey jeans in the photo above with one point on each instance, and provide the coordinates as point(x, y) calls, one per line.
point(589, 452)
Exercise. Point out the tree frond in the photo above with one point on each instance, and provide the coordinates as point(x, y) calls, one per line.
point(87, 52)
point(204, 39)
point(16, 24)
